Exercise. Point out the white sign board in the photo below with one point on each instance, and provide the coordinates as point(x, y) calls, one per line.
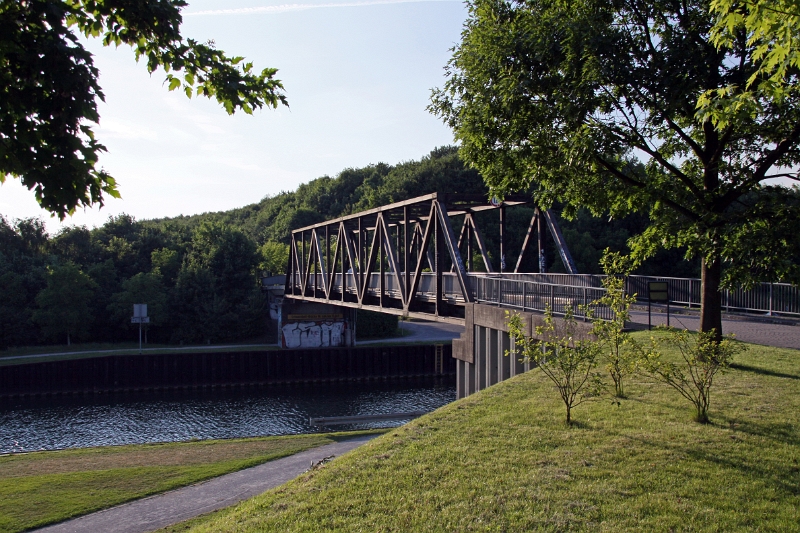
point(140, 320)
point(139, 310)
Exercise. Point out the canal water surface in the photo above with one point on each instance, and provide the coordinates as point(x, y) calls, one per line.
point(55, 422)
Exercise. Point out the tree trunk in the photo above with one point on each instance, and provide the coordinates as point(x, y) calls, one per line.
point(711, 298)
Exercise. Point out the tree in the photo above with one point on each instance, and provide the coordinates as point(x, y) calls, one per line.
point(619, 350)
point(274, 257)
point(49, 87)
point(64, 305)
point(14, 314)
point(217, 293)
point(566, 357)
point(143, 288)
point(594, 103)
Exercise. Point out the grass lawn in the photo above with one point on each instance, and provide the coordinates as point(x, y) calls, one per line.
point(503, 460)
point(45, 487)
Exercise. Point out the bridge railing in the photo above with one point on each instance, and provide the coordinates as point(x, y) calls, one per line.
point(769, 298)
point(538, 296)
point(532, 291)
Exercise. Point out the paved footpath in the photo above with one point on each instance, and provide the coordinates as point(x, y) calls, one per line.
point(780, 335)
point(423, 331)
point(162, 510)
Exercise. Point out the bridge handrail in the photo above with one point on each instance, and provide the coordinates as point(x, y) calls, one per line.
point(538, 296)
point(775, 298)
point(769, 298)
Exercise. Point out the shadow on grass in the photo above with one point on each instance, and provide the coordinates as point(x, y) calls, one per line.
point(785, 432)
point(785, 481)
point(578, 424)
point(763, 371)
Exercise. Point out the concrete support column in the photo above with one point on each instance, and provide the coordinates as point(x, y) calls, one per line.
point(517, 367)
point(480, 357)
point(506, 362)
point(492, 356)
point(469, 379)
point(460, 389)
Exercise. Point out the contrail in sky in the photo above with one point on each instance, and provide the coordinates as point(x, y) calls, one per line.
point(283, 8)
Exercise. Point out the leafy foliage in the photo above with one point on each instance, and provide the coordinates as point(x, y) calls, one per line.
point(144, 287)
point(594, 103)
point(64, 304)
point(565, 356)
point(275, 257)
point(703, 356)
point(771, 31)
point(370, 324)
point(49, 87)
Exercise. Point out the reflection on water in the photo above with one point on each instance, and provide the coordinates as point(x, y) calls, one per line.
point(126, 418)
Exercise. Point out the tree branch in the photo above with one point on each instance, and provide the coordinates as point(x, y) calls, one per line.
point(636, 183)
point(764, 165)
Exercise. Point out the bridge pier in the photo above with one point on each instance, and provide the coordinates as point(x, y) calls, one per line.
point(480, 353)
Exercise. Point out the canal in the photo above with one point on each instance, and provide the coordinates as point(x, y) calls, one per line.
point(70, 421)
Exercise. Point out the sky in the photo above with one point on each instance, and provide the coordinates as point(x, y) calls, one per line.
point(358, 76)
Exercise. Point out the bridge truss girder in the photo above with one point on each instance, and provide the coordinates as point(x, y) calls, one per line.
point(377, 258)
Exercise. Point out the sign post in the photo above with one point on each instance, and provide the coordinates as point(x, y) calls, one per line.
point(657, 291)
point(140, 317)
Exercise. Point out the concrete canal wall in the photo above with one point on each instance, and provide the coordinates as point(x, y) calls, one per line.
point(227, 369)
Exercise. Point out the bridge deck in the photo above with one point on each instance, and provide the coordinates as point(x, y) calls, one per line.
point(510, 291)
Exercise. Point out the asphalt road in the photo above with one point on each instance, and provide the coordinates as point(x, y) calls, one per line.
point(756, 332)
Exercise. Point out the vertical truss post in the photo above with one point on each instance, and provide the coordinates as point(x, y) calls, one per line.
point(341, 243)
point(303, 276)
point(437, 255)
point(290, 268)
point(314, 258)
point(327, 268)
point(380, 227)
point(502, 238)
point(406, 271)
point(541, 260)
point(360, 253)
point(468, 225)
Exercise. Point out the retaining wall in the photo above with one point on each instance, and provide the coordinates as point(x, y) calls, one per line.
point(196, 370)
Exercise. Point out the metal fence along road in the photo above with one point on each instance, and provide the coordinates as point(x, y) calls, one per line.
point(768, 298)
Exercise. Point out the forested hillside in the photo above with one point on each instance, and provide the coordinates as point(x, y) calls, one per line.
point(199, 274)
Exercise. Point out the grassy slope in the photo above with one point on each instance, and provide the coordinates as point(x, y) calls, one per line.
point(502, 460)
point(44, 487)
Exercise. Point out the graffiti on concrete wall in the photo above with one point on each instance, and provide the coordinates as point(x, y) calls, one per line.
point(314, 334)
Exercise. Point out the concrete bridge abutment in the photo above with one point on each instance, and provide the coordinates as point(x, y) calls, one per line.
point(480, 353)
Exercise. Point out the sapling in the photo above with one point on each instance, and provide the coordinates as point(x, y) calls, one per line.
point(619, 350)
point(565, 356)
point(703, 358)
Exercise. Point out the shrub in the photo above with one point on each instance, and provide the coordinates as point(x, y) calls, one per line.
point(370, 324)
point(567, 358)
point(703, 357)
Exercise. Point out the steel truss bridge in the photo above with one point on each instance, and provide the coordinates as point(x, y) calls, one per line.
point(405, 259)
